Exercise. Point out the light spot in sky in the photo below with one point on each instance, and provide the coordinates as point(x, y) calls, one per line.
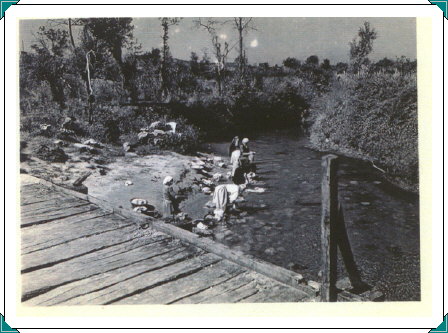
point(254, 43)
point(177, 30)
point(223, 36)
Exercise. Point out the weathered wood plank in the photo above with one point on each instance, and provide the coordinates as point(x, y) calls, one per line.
point(57, 214)
point(147, 281)
point(39, 208)
point(271, 292)
point(275, 272)
point(122, 255)
point(36, 198)
point(75, 248)
point(214, 293)
point(154, 257)
point(46, 235)
point(187, 286)
point(235, 295)
point(34, 189)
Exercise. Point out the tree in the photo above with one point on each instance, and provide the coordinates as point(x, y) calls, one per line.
point(51, 65)
point(242, 25)
point(194, 63)
point(361, 47)
point(292, 63)
point(220, 50)
point(114, 33)
point(312, 60)
point(341, 67)
point(166, 23)
point(326, 64)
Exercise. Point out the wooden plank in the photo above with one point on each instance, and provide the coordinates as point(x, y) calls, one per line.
point(328, 228)
point(275, 293)
point(34, 188)
point(122, 255)
point(147, 281)
point(75, 248)
point(216, 292)
point(154, 257)
point(35, 198)
point(179, 289)
point(57, 234)
point(60, 231)
point(57, 214)
point(42, 207)
point(235, 295)
point(275, 272)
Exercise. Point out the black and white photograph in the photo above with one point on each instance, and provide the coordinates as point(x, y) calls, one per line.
point(210, 160)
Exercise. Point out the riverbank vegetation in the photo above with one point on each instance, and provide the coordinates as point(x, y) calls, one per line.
point(95, 72)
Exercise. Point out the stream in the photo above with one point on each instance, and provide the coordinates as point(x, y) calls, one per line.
point(382, 221)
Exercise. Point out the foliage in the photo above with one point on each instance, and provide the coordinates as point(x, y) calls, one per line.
point(111, 33)
point(292, 63)
point(373, 117)
point(360, 48)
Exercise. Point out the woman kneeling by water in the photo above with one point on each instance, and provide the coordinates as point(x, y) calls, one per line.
point(170, 198)
point(225, 194)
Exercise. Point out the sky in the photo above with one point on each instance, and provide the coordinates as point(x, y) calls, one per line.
point(273, 39)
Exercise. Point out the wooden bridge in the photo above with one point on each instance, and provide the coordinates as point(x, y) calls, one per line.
point(76, 249)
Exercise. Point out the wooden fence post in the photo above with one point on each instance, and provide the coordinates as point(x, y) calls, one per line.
point(329, 227)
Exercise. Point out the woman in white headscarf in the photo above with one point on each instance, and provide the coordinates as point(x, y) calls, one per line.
point(225, 194)
point(169, 196)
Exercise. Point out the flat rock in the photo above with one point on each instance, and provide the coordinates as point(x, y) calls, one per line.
point(270, 251)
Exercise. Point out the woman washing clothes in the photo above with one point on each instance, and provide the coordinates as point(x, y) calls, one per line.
point(247, 157)
point(225, 194)
point(234, 145)
point(170, 199)
point(237, 173)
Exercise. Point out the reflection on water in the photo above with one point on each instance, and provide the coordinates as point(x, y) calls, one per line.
point(283, 224)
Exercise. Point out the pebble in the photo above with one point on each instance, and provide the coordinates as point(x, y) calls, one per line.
point(128, 183)
point(315, 285)
point(270, 251)
point(219, 236)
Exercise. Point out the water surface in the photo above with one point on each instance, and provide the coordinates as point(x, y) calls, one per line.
point(382, 221)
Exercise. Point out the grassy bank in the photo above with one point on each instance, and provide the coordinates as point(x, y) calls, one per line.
point(372, 117)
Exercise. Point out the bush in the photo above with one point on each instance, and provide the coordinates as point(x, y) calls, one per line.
point(372, 116)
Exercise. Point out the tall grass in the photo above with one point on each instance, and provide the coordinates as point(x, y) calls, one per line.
point(372, 116)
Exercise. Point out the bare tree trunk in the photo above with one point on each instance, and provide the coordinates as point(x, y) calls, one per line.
point(164, 65)
point(91, 97)
point(72, 40)
point(241, 50)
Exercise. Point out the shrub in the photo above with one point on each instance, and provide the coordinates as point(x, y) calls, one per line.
point(372, 116)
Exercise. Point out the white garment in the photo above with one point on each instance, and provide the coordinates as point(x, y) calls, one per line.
point(233, 191)
point(235, 160)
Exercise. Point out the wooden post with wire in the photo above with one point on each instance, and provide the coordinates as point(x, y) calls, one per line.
point(328, 227)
